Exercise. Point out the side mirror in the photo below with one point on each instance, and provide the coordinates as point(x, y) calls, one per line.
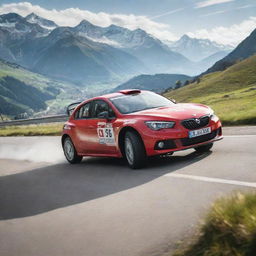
point(103, 115)
point(71, 107)
point(174, 101)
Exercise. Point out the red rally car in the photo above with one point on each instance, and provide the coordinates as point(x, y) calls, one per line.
point(135, 124)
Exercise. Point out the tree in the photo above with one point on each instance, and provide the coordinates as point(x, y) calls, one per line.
point(178, 84)
point(186, 82)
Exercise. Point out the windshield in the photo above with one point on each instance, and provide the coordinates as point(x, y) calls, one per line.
point(140, 101)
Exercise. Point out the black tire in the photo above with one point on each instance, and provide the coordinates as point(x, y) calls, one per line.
point(70, 151)
point(134, 150)
point(204, 148)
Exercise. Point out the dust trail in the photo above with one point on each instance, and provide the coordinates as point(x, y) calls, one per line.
point(34, 149)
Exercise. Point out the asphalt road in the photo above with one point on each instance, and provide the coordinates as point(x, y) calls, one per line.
point(102, 208)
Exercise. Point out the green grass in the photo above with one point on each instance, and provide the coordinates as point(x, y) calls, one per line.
point(32, 130)
point(231, 93)
point(63, 92)
point(28, 77)
point(229, 229)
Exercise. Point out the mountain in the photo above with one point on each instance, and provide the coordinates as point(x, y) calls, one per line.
point(85, 53)
point(155, 55)
point(65, 55)
point(15, 27)
point(62, 53)
point(157, 83)
point(210, 60)
point(44, 23)
point(15, 30)
point(244, 50)
point(197, 49)
point(22, 91)
point(231, 93)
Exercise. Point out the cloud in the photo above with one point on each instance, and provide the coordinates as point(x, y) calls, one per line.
point(211, 2)
point(232, 35)
point(212, 13)
point(168, 13)
point(245, 6)
point(73, 16)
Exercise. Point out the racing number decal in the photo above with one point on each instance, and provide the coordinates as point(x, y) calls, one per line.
point(106, 134)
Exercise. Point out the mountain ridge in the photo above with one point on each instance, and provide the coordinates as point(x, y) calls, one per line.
point(45, 23)
point(197, 49)
point(244, 50)
point(101, 53)
point(157, 82)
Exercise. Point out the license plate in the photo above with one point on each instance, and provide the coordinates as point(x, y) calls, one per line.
point(196, 133)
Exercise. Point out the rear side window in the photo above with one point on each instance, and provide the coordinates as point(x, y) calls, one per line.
point(84, 111)
point(100, 106)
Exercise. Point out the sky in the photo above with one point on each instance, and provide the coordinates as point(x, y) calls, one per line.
point(223, 21)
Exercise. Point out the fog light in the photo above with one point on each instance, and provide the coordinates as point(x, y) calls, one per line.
point(161, 144)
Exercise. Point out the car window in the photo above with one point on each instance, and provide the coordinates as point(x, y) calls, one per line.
point(100, 106)
point(84, 111)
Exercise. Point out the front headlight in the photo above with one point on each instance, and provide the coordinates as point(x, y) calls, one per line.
point(66, 127)
point(214, 117)
point(158, 125)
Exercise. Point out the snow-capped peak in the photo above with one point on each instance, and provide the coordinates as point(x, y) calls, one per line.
point(35, 19)
point(197, 49)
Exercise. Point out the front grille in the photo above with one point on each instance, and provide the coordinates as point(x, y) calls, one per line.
point(195, 123)
point(199, 139)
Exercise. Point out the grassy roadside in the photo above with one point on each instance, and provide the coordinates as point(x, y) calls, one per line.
point(32, 130)
point(230, 93)
point(51, 129)
point(229, 229)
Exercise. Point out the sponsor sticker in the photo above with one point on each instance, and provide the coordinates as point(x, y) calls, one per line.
point(106, 134)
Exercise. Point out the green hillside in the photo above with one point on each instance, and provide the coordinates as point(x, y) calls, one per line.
point(22, 91)
point(157, 83)
point(231, 93)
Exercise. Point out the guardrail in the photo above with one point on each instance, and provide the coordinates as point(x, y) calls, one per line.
point(39, 120)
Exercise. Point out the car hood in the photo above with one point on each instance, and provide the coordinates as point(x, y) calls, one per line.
point(178, 111)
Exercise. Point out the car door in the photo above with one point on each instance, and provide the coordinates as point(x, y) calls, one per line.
point(104, 128)
point(85, 137)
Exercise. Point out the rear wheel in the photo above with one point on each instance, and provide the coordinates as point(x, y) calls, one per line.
point(70, 151)
point(204, 148)
point(134, 150)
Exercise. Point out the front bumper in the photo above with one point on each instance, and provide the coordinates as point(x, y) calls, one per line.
point(177, 139)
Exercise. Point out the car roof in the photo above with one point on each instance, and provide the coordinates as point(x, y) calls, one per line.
point(115, 94)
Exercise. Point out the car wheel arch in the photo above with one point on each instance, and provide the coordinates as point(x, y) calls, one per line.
point(63, 137)
point(121, 137)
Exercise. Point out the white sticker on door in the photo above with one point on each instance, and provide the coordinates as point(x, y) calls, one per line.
point(106, 134)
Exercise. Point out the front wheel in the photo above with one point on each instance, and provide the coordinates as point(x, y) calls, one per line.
point(204, 148)
point(70, 151)
point(134, 150)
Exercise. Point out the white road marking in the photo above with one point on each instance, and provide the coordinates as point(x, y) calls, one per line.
point(212, 180)
point(239, 136)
